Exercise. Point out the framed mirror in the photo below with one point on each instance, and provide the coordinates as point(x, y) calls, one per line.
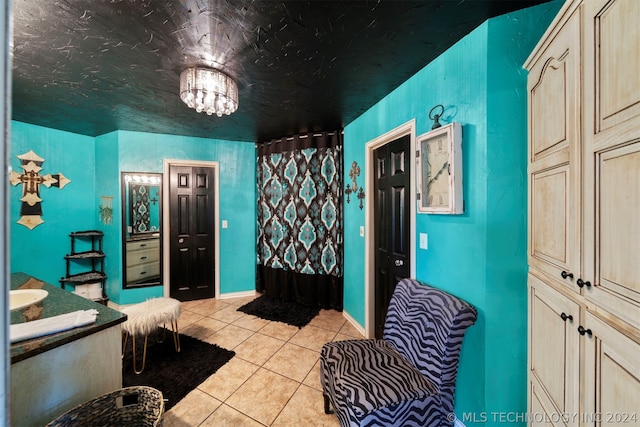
point(141, 229)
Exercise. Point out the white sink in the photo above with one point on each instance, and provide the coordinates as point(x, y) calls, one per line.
point(22, 298)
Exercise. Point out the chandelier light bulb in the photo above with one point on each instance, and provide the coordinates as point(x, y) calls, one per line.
point(208, 90)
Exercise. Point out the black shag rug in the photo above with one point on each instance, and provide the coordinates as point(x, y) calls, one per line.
point(288, 312)
point(174, 374)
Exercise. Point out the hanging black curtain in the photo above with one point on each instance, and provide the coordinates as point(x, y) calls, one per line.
point(300, 250)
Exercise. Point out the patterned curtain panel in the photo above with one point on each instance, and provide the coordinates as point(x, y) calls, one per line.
point(300, 250)
point(140, 213)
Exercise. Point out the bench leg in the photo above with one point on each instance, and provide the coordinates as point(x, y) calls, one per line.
point(144, 354)
point(176, 336)
point(174, 332)
point(125, 338)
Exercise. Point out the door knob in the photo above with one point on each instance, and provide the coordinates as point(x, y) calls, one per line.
point(399, 262)
point(564, 275)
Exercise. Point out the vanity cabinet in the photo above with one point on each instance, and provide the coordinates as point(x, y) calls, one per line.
point(584, 226)
point(85, 266)
point(143, 260)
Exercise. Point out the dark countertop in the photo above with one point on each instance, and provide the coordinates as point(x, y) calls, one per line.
point(59, 301)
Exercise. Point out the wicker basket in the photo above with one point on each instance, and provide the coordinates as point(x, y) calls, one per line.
point(130, 406)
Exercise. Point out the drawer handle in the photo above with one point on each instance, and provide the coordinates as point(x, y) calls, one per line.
point(582, 283)
point(143, 257)
point(583, 331)
point(564, 275)
point(564, 317)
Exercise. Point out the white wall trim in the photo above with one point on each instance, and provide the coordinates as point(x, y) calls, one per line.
point(241, 294)
point(166, 265)
point(353, 322)
point(458, 423)
point(408, 128)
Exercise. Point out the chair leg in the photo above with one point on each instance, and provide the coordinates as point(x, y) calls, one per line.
point(327, 404)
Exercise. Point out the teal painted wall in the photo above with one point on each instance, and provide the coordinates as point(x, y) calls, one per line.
point(94, 166)
point(107, 177)
point(146, 152)
point(480, 255)
point(40, 252)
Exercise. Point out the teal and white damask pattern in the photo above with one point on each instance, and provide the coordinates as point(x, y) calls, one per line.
point(299, 210)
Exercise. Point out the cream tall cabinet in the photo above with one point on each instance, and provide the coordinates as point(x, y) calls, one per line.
point(584, 217)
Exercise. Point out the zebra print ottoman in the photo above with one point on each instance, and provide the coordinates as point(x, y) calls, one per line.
point(408, 377)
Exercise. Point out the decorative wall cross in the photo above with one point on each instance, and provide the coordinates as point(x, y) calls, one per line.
point(30, 178)
point(353, 174)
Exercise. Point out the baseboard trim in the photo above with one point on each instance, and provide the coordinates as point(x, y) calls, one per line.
point(241, 294)
point(458, 423)
point(353, 322)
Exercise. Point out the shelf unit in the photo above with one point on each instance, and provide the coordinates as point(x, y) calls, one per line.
point(90, 284)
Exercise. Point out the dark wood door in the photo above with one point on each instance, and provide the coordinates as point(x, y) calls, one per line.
point(192, 228)
point(392, 226)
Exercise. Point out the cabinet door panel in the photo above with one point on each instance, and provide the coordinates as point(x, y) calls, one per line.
point(617, 63)
point(554, 156)
point(617, 227)
point(553, 347)
point(549, 99)
point(550, 210)
point(612, 157)
point(539, 414)
point(611, 375)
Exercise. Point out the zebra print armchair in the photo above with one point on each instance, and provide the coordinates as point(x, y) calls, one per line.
point(407, 378)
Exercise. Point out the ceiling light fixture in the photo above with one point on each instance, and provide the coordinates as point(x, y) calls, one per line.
point(208, 90)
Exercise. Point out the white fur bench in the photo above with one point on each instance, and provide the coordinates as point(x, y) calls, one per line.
point(144, 318)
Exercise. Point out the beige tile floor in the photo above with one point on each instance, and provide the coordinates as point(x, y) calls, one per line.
point(274, 378)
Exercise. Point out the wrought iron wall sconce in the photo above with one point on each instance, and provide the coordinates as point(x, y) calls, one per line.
point(436, 116)
point(353, 174)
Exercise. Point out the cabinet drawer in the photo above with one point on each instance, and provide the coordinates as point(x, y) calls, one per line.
point(143, 244)
point(142, 256)
point(143, 272)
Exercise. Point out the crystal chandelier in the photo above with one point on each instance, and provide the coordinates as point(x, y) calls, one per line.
point(208, 90)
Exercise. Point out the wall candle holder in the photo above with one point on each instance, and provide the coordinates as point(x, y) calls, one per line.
point(106, 209)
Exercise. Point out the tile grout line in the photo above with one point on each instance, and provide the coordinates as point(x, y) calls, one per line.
point(323, 325)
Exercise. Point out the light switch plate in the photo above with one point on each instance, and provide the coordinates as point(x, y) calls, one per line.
point(225, 224)
point(362, 231)
point(424, 241)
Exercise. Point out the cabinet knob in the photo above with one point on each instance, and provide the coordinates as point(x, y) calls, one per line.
point(582, 283)
point(564, 275)
point(564, 317)
point(583, 331)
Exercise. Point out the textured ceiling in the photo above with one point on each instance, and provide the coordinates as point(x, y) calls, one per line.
point(95, 66)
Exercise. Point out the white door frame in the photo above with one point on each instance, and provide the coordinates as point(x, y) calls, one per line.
point(166, 264)
point(408, 128)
